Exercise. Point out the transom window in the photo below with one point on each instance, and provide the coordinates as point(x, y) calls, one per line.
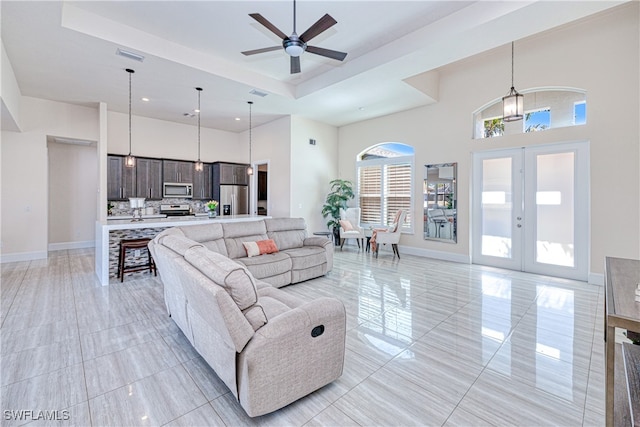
point(544, 109)
point(385, 182)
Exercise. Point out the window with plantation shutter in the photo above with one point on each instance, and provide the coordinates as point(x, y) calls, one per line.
point(385, 177)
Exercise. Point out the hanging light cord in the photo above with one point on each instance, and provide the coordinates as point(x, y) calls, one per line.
point(250, 103)
point(512, 86)
point(199, 89)
point(130, 72)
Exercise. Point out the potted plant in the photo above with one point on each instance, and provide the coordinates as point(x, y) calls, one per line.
point(341, 192)
point(212, 205)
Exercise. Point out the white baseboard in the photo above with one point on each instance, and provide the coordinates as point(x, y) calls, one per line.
point(428, 253)
point(596, 279)
point(72, 245)
point(22, 256)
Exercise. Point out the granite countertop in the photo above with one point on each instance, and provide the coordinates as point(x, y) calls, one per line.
point(153, 221)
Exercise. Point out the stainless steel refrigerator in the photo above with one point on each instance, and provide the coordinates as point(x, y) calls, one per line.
point(234, 200)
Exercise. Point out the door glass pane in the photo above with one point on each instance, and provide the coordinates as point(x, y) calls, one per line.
point(555, 209)
point(497, 205)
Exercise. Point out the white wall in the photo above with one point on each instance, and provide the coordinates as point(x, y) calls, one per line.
point(162, 139)
point(25, 172)
point(271, 142)
point(73, 185)
point(600, 55)
point(312, 167)
point(10, 93)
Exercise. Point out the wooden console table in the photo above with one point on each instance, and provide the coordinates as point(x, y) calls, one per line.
point(621, 311)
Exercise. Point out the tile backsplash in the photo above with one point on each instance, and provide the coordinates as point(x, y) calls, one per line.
point(123, 208)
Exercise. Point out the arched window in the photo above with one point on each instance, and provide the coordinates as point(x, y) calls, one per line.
point(543, 109)
point(385, 183)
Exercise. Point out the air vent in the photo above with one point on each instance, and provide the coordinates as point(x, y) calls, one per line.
point(130, 55)
point(258, 93)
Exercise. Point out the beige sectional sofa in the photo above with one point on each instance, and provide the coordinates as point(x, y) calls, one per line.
point(298, 258)
point(270, 348)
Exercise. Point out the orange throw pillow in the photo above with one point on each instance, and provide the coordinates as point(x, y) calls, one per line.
point(260, 247)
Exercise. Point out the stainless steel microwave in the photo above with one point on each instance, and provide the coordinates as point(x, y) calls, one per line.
point(177, 189)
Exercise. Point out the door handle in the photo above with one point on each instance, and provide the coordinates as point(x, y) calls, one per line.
point(519, 225)
point(519, 218)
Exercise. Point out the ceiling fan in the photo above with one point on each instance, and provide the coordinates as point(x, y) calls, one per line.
point(296, 45)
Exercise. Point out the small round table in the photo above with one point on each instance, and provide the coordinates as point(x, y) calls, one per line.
point(326, 234)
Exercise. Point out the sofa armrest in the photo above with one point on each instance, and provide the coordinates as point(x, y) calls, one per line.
point(316, 241)
point(288, 358)
point(303, 318)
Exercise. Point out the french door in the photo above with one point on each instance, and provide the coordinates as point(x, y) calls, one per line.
point(530, 209)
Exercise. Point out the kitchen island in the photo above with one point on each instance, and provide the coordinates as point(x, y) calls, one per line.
point(110, 232)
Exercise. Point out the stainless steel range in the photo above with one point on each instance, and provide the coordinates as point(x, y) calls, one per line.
point(175, 210)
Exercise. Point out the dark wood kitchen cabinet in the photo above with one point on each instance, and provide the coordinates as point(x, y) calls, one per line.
point(202, 188)
point(121, 180)
point(230, 173)
point(178, 171)
point(149, 178)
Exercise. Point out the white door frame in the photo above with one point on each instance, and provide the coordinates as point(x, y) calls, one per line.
point(523, 223)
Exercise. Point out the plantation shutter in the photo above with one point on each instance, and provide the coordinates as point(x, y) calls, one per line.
point(370, 194)
point(397, 192)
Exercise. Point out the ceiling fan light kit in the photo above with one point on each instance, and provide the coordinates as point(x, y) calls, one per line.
point(295, 45)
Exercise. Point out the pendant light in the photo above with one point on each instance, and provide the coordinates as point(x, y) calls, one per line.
point(513, 103)
point(129, 161)
point(250, 168)
point(199, 165)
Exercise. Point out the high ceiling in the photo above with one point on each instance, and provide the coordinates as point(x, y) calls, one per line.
point(66, 51)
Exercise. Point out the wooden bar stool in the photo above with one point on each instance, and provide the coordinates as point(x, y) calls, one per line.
point(134, 244)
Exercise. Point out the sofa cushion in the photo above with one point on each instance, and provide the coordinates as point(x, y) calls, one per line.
point(267, 265)
point(306, 257)
point(233, 277)
point(260, 247)
point(179, 244)
point(236, 233)
point(210, 235)
point(287, 232)
point(256, 316)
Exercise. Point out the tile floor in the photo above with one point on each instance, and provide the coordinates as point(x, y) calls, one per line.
point(428, 343)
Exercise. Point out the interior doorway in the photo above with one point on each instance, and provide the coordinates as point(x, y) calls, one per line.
point(72, 193)
point(530, 209)
point(260, 198)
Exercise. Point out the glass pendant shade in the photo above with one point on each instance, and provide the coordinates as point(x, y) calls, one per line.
point(199, 166)
point(513, 102)
point(249, 170)
point(130, 161)
point(513, 106)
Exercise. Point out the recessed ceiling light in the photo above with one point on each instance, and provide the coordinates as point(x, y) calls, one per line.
point(196, 111)
point(145, 99)
point(237, 119)
point(361, 109)
point(130, 55)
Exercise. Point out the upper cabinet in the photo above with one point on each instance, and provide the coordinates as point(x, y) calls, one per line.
point(149, 178)
point(121, 180)
point(230, 173)
point(178, 171)
point(202, 188)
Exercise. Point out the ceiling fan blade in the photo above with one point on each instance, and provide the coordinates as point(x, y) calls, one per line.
point(295, 64)
point(264, 49)
point(333, 54)
point(261, 19)
point(321, 25)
